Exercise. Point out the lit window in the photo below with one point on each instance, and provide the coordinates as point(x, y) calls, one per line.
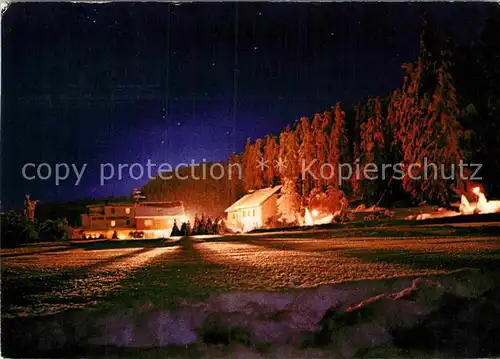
point(113, 223)
point(148, 222)
point(127, 210)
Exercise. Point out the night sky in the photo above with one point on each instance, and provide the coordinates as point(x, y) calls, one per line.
point(124, 82)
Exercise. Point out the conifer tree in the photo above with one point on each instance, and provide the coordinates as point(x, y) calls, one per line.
point(306, 156)
point(404, 116)
point(222, 227)
point(196, 224)
point(202, 227)
point(209, 226)
point(440, 143)
point(320, 127)
point(372, 151)
point(234, 177)
point(215, 225)
point(249, 169)
point(289, 200)
point(271, 152)
point(338, 145)
point(175, 230)
point(258, 170)
point(356, 154)
point(289, 168)
point(252, 173)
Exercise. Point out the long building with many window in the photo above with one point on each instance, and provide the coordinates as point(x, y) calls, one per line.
point(151, 219)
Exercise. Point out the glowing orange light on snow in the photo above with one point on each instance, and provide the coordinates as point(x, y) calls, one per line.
point(482, 205)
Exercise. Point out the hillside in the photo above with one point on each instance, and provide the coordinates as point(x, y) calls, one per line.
point(199, 194)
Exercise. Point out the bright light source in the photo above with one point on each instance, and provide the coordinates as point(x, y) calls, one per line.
point(481, 206)
point(127, 210)
point(113, 223)
point(314, 212)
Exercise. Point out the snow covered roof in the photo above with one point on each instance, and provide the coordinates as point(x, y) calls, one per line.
point(150, 211)
point(253, 199)
point(111, 204)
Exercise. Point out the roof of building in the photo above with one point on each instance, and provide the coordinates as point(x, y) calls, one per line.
point(165, 204)
point(253, 199)
point(150, 211)
point(111, 204)
point(142, 203)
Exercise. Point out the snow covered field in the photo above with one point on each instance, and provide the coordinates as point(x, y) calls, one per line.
point(102, 281)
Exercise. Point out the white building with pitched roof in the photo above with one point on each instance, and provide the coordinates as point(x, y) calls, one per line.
point(254, 209)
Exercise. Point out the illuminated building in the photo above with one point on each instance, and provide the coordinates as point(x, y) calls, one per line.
point(153, 219)
point(253, 210)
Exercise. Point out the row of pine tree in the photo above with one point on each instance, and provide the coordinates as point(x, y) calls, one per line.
point(432, 115)
point(418, 121)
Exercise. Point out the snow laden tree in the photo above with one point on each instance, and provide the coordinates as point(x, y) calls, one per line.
point(391, 140)
point(326, 201)
point(321, 126)
point(252, 174)
point(427, 135)
point(338, 148)
point(333, 150)
point(306, 157)
point(234, 177)
point(259, 169)
point(408, 112)
point(372, 152)
point(356, 152)
point(438, 149)
point(326, 196)
point(271, 152)
point(289, 170)
point(248, 166)
point(405, 118)
point(288, 203)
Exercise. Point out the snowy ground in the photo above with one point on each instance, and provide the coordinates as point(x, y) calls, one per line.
point(110, 278)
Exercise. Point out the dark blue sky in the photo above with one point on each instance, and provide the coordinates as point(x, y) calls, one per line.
point(124, 82)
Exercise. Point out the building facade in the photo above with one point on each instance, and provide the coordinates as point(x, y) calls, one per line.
point(152, 219)
point(253, 210)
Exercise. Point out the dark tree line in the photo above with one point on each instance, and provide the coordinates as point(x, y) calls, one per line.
point(17, 229)
point(199, 194)
point(201, 225)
